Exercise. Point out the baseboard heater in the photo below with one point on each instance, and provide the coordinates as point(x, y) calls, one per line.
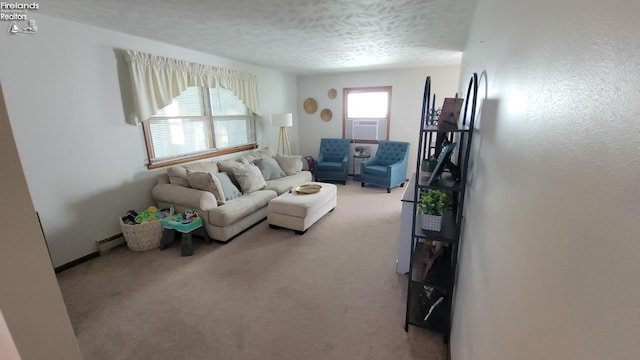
point(104, 246)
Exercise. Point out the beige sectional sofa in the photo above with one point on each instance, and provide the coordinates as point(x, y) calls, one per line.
point(203, 187)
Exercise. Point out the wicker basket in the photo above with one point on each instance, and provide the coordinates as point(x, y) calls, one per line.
point(141, 237)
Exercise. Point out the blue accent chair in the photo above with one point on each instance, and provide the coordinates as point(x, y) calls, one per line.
point(333, 161)
point(388, 168)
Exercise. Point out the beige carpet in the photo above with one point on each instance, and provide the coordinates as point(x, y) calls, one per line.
point(331, 293)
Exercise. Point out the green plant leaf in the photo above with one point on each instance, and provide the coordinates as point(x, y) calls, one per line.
point(432, 202)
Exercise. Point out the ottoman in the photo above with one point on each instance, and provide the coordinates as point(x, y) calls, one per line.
point(298, 212)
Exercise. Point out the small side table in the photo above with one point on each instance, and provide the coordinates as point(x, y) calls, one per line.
point(356, 169)
point(174, 223)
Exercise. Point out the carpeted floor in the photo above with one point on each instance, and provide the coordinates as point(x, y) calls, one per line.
point(331, 293)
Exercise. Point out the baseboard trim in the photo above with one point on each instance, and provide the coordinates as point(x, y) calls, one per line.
point(103, 247)
point(75, 262)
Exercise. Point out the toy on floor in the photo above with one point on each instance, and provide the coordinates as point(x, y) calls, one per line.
point(152, 213)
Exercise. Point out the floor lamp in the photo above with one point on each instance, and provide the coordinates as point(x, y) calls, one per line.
point(283, 121)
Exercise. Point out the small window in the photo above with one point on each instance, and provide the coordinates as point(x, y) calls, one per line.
point(366, 114)
point(200, 122)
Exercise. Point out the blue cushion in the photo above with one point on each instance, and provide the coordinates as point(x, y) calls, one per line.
point(330, 165)
point(230, 190)
point(269, 168)
point(376, 170)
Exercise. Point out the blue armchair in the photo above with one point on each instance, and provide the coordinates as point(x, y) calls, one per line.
point(388, 168)
point(333, 161)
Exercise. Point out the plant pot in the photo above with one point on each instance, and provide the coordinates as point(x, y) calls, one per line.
point(428, 165)
point(431, 222)
point(427, 168)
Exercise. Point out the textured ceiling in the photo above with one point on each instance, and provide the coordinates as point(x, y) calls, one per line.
point(296, 36)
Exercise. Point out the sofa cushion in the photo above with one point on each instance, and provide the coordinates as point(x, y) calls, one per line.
point(240, 207)
point(287, 183)
point(330, 165)
point(202, 166)
point(265, 151)
point(178, 176)
point(290, 164)
point(259, 154)
point(208, 182)
point(228, 188)
point(269, 168)
point(249, 177)
point(377, 170)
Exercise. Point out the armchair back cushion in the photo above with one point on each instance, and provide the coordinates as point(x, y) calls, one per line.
point(334, 150)
point(391, 152)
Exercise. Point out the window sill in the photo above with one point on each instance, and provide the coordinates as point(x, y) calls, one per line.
point(166, 163)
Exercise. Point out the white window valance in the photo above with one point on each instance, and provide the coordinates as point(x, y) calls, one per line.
point(157, 80)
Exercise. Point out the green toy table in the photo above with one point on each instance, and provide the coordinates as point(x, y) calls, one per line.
point(174, 223)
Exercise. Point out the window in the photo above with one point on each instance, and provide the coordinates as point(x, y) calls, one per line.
point(366, 114)
point(199, 123)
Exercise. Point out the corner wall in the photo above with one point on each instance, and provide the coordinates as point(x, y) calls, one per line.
point(30, 300)
point(67, 101)
point(549, 258)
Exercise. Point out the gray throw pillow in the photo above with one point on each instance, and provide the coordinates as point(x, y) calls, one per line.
point(230, 191)
point(269, 168)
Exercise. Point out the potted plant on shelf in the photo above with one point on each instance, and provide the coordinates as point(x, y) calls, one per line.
point(432, 204)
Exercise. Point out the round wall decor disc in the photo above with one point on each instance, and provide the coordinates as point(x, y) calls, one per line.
point(325, 115)
point(310, 105)
point(332, 93)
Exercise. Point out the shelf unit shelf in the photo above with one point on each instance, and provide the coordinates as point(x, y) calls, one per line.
point(448, 233)
point(431, 286)
point(432, 129)
point(446, 183)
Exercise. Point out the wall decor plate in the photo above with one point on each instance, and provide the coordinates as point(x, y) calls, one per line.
point(310, 105)
point(326, 114)
point(332, 93)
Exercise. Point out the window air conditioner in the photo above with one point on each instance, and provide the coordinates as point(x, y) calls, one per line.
point(365, 130)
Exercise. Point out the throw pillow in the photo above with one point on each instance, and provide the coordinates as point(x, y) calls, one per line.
point(265, 151)
point(207, 182)
point(228, 166)
point(253, 156)
point(269, 168)
point(230, 190)
point(249, 177)
point(178, 176)
point(291, 164)
point(202, 166)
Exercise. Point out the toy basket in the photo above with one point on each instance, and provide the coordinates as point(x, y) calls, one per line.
point(145, 236)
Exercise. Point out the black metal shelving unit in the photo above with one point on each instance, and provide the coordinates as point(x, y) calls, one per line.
point(430, 295)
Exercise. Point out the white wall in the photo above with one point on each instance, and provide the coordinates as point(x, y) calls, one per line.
point(551, 245)
point(30, 300)
point(406, 103)
point(84, 165)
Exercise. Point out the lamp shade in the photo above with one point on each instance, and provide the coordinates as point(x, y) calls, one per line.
point(282, 120)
